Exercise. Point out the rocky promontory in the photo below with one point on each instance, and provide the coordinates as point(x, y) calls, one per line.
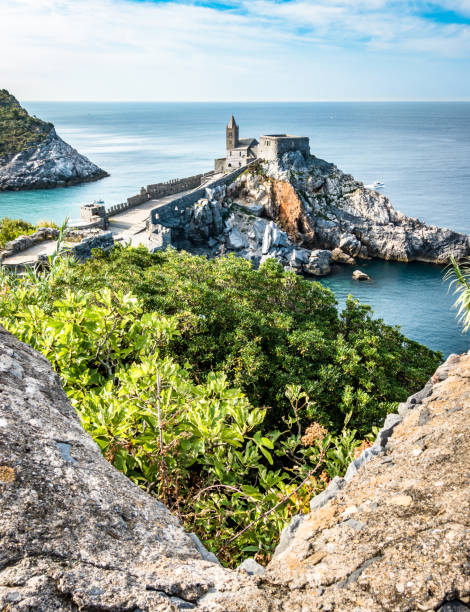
point(33, 156)
point(307, 214)
point(75, 534)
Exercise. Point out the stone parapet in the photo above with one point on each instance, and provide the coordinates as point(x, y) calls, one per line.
point(22, 243)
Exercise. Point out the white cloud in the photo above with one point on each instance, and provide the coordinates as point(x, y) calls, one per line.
point(118, 49)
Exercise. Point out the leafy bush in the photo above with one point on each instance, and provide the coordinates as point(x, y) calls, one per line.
point(12, 228)
point(458, 276)
point(267, 329)
point(139, 368)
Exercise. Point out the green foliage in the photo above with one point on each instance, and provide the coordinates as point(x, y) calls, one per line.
point(459, 281)
point(171, 360)
point(267, 329)
point(12, 228)
point(18, 130)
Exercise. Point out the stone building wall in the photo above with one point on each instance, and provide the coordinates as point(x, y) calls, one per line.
point(236, 158)
point(273, 146)
point(219, 164)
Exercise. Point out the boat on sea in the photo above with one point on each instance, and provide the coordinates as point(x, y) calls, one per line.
point(376, 185)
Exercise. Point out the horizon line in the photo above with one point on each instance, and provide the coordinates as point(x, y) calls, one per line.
point(375, 101)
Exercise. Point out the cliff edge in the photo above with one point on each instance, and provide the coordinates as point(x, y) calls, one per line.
point(33, 156)
point(304, 212)
point(75, 534)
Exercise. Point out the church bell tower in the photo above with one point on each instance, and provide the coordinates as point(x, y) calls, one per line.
point(231, 134)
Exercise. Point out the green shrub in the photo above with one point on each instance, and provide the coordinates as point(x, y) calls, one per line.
point(266, 329)
point(12, 228)
point(156, 375)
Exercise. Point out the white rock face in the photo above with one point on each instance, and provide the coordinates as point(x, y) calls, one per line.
point(346, 217)
point(52, 163)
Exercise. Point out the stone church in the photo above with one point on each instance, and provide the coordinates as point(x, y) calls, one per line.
point(242, 151)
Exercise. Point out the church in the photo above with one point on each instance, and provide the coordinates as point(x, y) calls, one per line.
point(242, 151)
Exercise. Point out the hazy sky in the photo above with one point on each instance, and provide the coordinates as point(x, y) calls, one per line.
point(245, 50)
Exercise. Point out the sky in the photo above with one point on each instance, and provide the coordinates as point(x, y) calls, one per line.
point(227, 50)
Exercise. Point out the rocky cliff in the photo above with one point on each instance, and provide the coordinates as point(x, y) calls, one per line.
point(308, 214)
point(33, 156)
point(75, 534)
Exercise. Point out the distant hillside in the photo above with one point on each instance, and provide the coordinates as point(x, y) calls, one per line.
point(33, 156)
point(18, 130)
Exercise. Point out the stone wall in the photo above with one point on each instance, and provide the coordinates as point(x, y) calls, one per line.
point(169, 213)
point(219, 164)
point(89, 239)
point(26, 242)
point(273, 146)
point(160, 190)
point(83, 250)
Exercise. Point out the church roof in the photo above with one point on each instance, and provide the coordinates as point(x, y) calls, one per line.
point(247, 142)
point(232, 123)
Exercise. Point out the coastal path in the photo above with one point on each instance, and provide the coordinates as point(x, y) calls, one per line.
point(127, 226)
point(30, 256)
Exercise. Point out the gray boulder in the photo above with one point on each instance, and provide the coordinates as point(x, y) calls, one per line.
point(318, 263)
point(273, 237)
point(76, 534)
point(360, 276)
point(252, 567)
point(236, 240)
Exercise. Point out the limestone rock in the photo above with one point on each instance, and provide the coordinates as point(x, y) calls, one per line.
point(408, 545)
point(318, 263)
point(339, 256)
point(74, 532)
point(360, 276)
point(236, 240)
point(51, 163)
point(321, 207)
point(252, 567)
point(203, 221)
point(273, 237)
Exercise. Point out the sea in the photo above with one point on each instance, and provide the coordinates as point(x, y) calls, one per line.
point(420, 151)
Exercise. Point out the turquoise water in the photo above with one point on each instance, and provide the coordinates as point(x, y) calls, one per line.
point(421, 151)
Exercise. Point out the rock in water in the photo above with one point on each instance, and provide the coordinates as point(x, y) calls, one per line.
point(33, 156)
point(360, 275)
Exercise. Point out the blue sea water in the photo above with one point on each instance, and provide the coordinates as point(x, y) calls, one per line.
point(421, 151)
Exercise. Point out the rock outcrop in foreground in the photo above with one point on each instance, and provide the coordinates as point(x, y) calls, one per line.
point(75, 534)
point(33, 156)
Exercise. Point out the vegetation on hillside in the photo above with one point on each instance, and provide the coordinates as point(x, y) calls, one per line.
point(12, 228)
point(233, 395)
point(18, 130)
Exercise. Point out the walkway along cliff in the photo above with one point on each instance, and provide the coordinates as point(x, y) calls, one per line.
point(75, 534)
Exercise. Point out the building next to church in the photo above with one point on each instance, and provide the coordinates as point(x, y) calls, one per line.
point(241, 151)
